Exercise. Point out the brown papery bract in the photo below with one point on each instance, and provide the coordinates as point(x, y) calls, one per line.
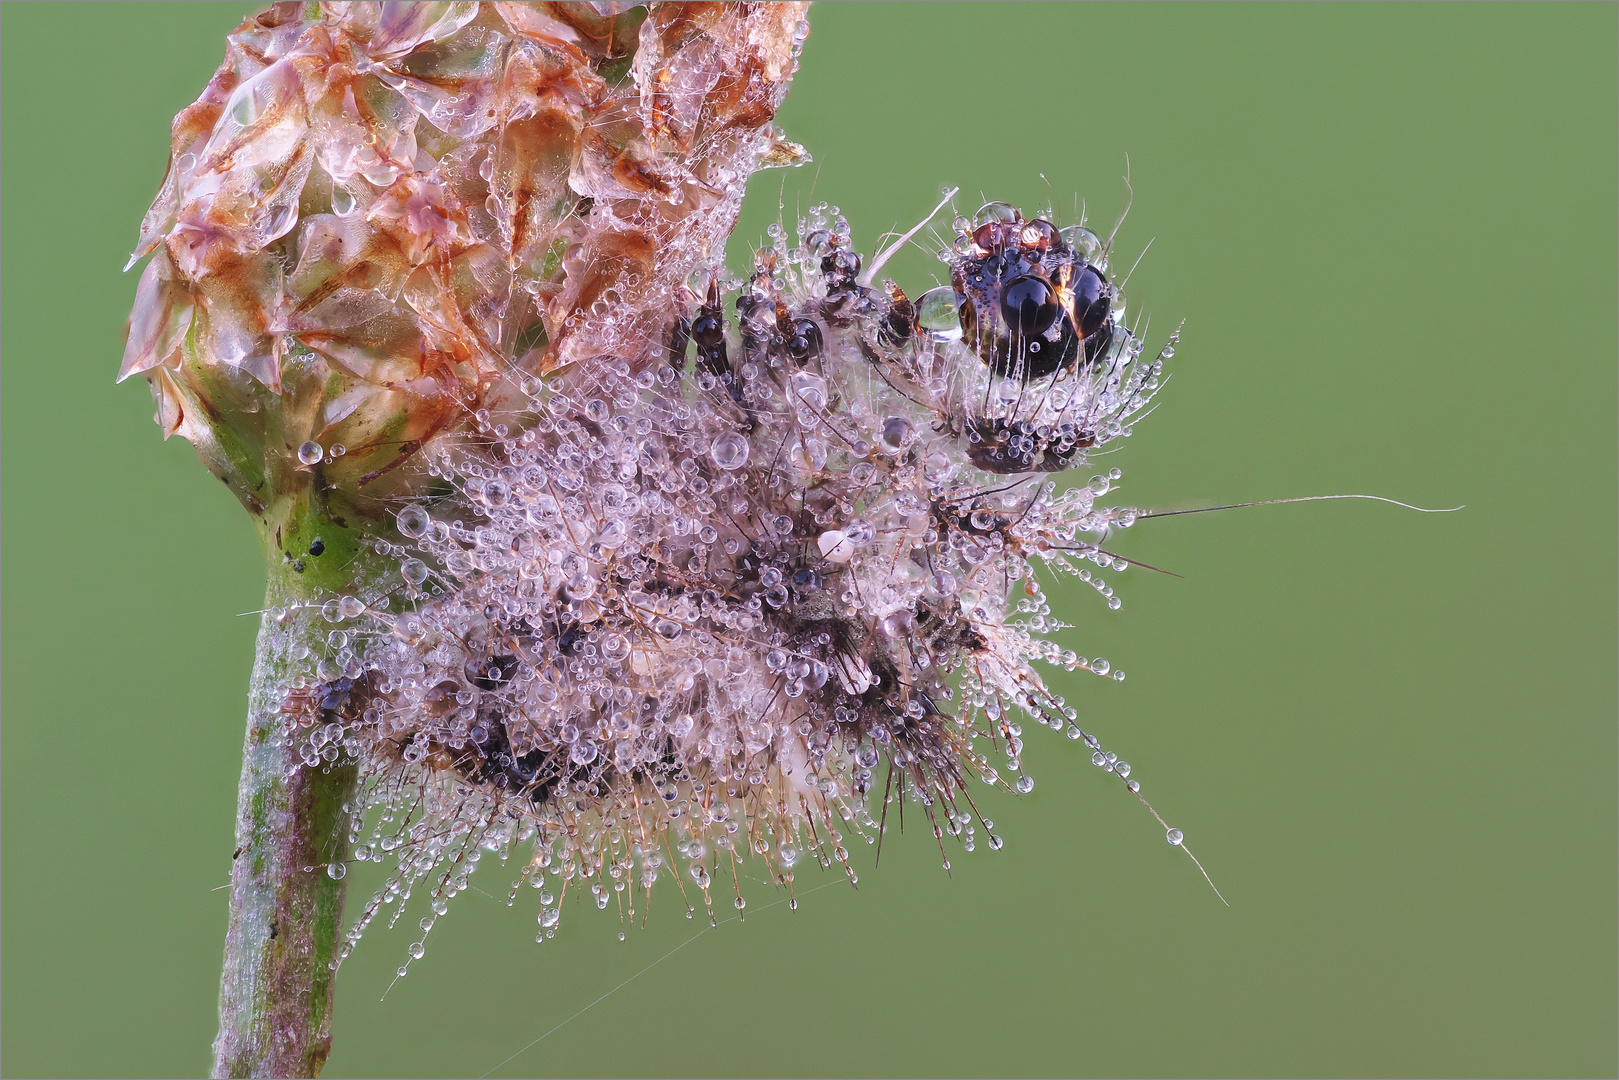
point(379, 218)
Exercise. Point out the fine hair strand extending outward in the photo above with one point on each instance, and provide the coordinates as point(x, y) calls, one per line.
point(1297, 499)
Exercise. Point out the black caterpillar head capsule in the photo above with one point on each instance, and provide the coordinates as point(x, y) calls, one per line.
point(1030, 305)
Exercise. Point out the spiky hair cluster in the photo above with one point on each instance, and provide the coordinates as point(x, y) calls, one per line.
point(682, 570)
point(734, 594)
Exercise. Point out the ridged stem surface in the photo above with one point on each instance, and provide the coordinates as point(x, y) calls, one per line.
point(286, 913)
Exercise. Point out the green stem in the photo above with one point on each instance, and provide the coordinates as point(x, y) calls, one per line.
point(292, 822)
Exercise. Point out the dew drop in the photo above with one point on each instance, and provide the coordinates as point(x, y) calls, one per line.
point(936, 314)
point(896, 434)
point(730, 451)
point(413, 521)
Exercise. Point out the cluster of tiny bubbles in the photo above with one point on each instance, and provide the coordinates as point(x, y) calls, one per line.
point(730, 598)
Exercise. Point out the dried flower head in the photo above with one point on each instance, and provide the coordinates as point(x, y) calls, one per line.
point(379, 217)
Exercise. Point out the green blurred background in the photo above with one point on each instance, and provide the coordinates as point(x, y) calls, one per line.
point(1391, 737)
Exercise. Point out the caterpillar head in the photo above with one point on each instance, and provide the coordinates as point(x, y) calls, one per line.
point(1031, 304)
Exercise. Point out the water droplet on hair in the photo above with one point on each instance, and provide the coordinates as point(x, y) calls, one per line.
point(730, 451)
point(413, 521)
point(936, 314)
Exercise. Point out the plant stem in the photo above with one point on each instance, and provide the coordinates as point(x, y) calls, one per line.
point(292, 824)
